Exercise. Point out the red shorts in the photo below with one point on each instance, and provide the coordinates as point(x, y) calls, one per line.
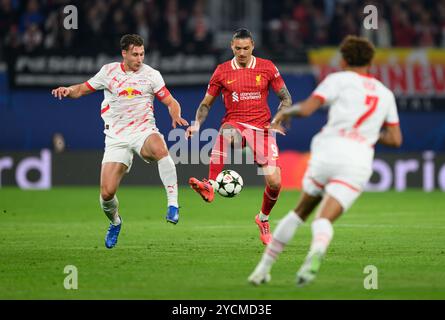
point(262, 142)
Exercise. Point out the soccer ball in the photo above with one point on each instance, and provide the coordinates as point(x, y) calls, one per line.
point(229, 183)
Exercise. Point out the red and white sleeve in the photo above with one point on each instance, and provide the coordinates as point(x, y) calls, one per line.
point(97, 82)
point(327, 90)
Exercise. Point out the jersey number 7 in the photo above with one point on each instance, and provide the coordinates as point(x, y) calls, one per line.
point(371, 102)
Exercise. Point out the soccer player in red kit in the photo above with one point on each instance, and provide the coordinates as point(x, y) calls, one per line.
point(244, 82)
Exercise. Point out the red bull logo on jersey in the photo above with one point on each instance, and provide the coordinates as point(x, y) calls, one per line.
point(129, 93)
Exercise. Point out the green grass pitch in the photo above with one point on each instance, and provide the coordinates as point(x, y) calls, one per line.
point(214, 247)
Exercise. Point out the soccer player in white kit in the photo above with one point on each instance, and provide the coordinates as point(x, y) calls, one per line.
point(341, 153)
point(129, 88)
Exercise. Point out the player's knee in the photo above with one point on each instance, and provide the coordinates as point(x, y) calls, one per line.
point(159, 153)
point(156, 153)
point(275, 183)
point(107, 193)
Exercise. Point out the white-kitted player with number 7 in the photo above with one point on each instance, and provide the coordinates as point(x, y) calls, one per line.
point(362, 112)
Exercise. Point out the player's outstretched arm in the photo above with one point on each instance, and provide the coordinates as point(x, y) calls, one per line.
point(74, 91)
point(391, 136)
point(175, 111)
point(201, 115)
point(302, 109)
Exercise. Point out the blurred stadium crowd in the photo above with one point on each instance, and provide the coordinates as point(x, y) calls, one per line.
point(169, 26)
point(402, 23)
point(185, 25)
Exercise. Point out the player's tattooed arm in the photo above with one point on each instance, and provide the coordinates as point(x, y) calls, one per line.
point(301, 109)
point(285, 98)
point(204, 108)
point(285, 103)
point(201, 114)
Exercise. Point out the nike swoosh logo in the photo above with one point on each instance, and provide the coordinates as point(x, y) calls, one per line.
point(230, 81)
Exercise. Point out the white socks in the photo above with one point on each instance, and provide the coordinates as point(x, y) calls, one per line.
point(284, 232)
point(263, 217)
point(167, 172)
point(110, 208)
point(322, 234)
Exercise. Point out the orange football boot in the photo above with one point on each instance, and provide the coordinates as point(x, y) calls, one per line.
point(265, 235)
point(204, 188)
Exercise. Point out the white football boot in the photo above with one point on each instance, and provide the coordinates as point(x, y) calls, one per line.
point(260, 275)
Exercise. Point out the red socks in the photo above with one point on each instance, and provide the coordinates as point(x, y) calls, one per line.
point(216, 165)
point(218, 157)
point(270, 197)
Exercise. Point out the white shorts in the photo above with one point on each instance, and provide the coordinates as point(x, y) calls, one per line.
point(343, 181)
point(121, 149)
point(341, 167)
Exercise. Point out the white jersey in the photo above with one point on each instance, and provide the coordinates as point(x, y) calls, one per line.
point(128, 97)
point(359, 106)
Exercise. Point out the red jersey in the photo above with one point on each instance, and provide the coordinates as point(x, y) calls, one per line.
point(245, 90)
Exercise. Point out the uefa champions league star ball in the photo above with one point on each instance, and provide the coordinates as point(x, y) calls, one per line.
point(229, 183)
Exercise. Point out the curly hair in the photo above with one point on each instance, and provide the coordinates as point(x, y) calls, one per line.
point(357, 51)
